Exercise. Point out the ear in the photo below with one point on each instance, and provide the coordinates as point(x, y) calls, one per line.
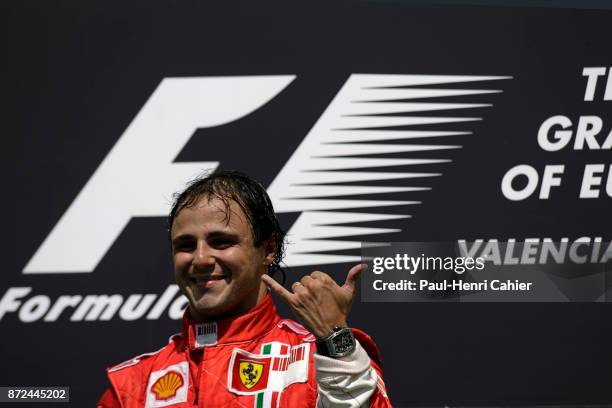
point(269, 247)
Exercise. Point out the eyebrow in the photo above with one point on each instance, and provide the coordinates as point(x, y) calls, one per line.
point(182, 237)
point(212, 234)
point(223, 234)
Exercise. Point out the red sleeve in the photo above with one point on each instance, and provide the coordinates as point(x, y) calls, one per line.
point(109, 399)
point(380, 398)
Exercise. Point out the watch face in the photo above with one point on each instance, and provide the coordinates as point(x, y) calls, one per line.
point(343, 342)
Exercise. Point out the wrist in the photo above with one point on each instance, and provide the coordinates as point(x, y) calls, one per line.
point(326, 330)
point(339, 343)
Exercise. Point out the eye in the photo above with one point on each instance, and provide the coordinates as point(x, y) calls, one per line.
point(183, 246)
point(222, 243)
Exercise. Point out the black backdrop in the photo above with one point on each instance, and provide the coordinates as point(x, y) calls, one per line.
point(75, 75)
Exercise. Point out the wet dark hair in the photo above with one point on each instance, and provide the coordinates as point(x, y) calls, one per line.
point(249, 194)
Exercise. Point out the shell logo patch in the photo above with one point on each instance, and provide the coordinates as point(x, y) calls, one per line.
point(250, 372)
point(165, 387)
point(168, 386)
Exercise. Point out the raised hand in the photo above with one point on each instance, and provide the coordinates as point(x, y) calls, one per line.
point(317, 301)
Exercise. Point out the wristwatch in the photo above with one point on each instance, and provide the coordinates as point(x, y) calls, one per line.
point(339, 343)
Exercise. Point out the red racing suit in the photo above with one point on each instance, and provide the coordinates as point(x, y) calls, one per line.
point(256, 360)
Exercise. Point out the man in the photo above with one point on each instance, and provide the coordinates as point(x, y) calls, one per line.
point(234, 350)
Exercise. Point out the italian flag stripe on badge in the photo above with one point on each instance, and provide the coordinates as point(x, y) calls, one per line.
point(288, 365)
point(259, 400)
point(269, 399)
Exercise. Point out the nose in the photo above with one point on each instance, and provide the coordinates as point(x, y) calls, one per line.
point(203, 258)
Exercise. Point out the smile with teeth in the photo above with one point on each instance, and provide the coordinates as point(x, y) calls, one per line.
point(206, 281)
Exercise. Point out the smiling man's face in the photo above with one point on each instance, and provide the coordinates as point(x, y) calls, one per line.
point(216, 264)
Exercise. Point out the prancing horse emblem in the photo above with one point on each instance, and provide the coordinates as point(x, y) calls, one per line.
point(250, 373)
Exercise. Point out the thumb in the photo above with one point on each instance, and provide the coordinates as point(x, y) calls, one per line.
point(352, 278)
point(276, 287)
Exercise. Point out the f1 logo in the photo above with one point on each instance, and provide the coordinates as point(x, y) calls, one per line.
point(138, 176)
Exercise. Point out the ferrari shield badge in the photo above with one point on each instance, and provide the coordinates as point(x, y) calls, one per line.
point(270, 372)
point(250, 372)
